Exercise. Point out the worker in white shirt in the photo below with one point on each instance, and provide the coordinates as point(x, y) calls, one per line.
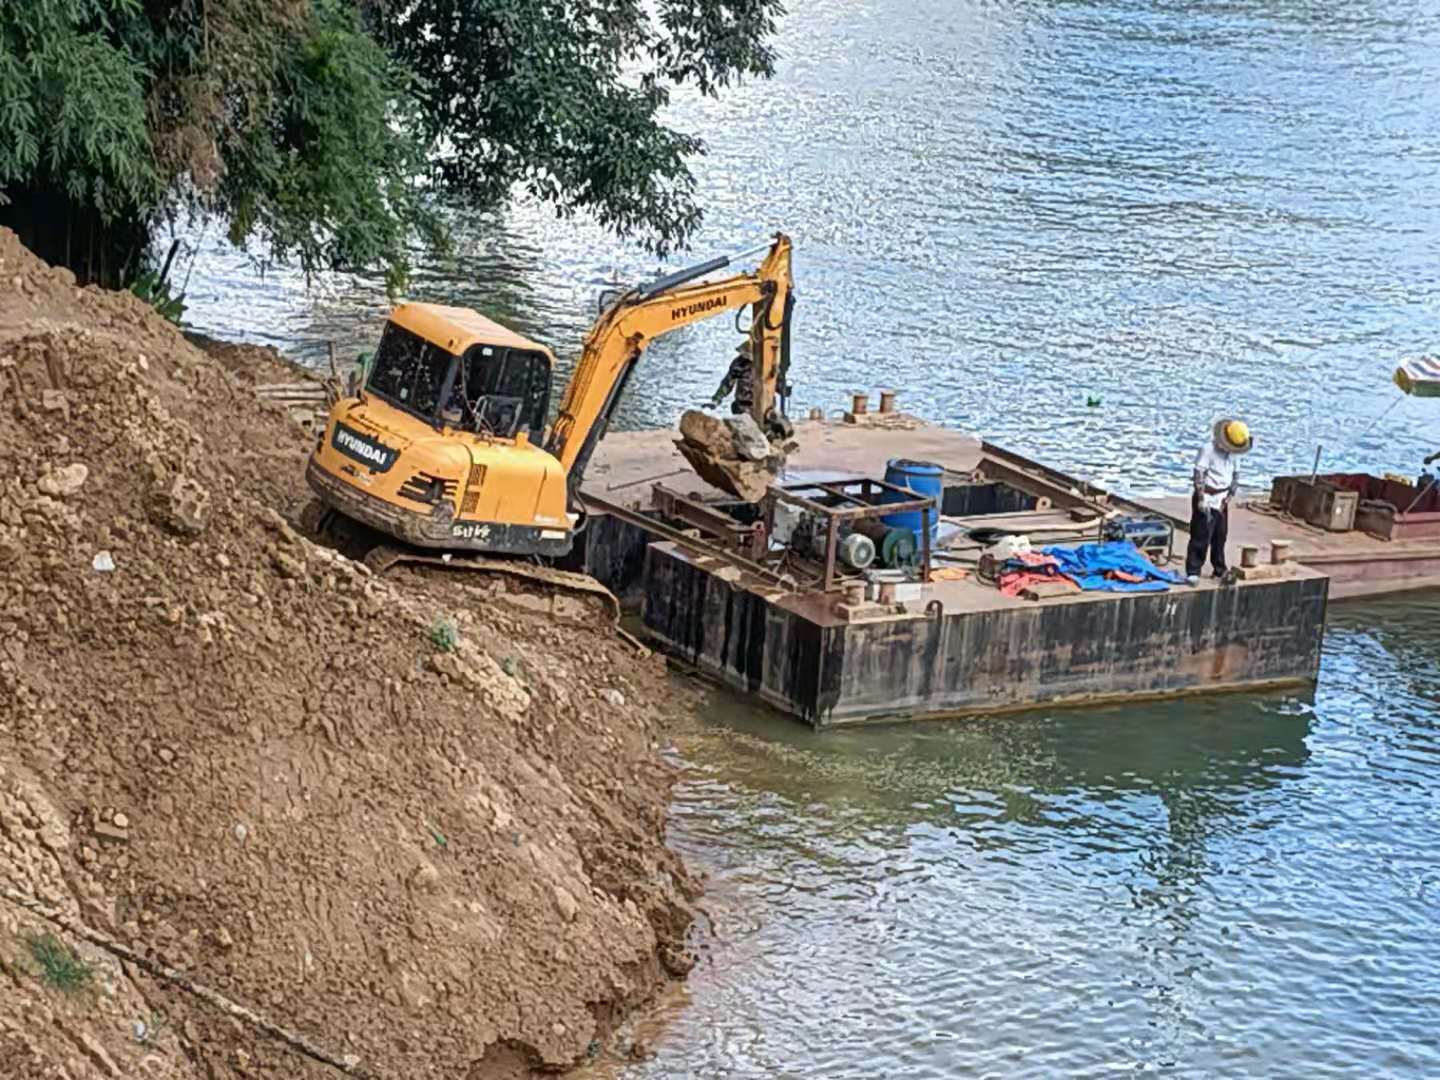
point(1217, 478)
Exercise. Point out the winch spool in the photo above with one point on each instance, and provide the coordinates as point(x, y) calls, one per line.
point(856, 551)
point(808, 534)
point(894, 547)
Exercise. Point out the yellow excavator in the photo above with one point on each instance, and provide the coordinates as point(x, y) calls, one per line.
point(442, 446)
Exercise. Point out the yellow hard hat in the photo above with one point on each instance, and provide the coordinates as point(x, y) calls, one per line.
point(1232, 436)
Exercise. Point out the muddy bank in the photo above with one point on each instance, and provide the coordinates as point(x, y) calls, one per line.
point(251, 365)
point(231, 750)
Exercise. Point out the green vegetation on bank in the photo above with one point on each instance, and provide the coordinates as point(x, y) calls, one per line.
point(322, 129)
point(57, 964)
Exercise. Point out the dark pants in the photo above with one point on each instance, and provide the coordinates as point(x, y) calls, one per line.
point(1208, 529)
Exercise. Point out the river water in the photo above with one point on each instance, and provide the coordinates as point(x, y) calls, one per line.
point(1004, 209)
point(1244, 886)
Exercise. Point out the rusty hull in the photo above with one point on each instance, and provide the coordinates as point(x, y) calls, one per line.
point(788, 652)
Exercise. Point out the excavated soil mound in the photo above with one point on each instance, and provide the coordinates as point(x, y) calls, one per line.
point(240, 754)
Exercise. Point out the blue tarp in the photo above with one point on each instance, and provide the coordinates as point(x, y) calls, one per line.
point(1088, 565)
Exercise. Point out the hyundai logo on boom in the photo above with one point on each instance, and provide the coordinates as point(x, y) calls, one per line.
point(363, 449)
point(697, 307)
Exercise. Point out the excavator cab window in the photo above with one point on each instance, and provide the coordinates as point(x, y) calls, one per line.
point(502, 391)
point(409, 371)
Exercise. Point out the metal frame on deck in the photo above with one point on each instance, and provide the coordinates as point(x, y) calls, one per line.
point(834, 515)
point(746, 546)
point(751, 540)
point(1063, 490)
point(595, 504)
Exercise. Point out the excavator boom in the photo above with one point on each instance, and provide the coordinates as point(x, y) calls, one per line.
point(619, 337)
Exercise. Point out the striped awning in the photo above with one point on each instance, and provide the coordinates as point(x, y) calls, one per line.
point(1419, 376)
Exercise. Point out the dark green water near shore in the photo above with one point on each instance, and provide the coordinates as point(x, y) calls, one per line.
point(1002, 209)
point(1240, 886)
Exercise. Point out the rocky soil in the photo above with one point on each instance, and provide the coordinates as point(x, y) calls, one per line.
point(242, 755)
point(731, 453)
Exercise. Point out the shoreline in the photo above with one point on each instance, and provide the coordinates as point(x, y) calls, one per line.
point(239, 754)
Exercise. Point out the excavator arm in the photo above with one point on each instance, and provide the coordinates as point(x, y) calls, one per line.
point(618, 339)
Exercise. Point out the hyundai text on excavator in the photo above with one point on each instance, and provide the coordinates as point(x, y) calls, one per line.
point(443, 446)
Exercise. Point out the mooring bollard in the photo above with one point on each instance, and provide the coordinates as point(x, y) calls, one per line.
point(817, 413)
point(1279, 552)
point(855, 594)
point(860, 404)
point(887, 401)
point(1249, 555)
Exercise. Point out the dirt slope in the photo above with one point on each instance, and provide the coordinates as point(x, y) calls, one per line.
point(244, 755)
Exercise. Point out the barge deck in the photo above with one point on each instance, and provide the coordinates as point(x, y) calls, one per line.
point(1359, 565)
point(954, 644)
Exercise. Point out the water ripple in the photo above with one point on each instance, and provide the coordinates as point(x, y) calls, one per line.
point(1004, 210)
point(1209, 888)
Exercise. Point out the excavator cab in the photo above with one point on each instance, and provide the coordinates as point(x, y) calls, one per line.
point(409, 372)
point(489, 389)
point(499, 392)
point(440, 446)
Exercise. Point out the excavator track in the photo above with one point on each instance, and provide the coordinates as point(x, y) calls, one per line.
point(564, 583)
point(561, 594)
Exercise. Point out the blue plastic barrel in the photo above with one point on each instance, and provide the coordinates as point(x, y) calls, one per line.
point(926, 479)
